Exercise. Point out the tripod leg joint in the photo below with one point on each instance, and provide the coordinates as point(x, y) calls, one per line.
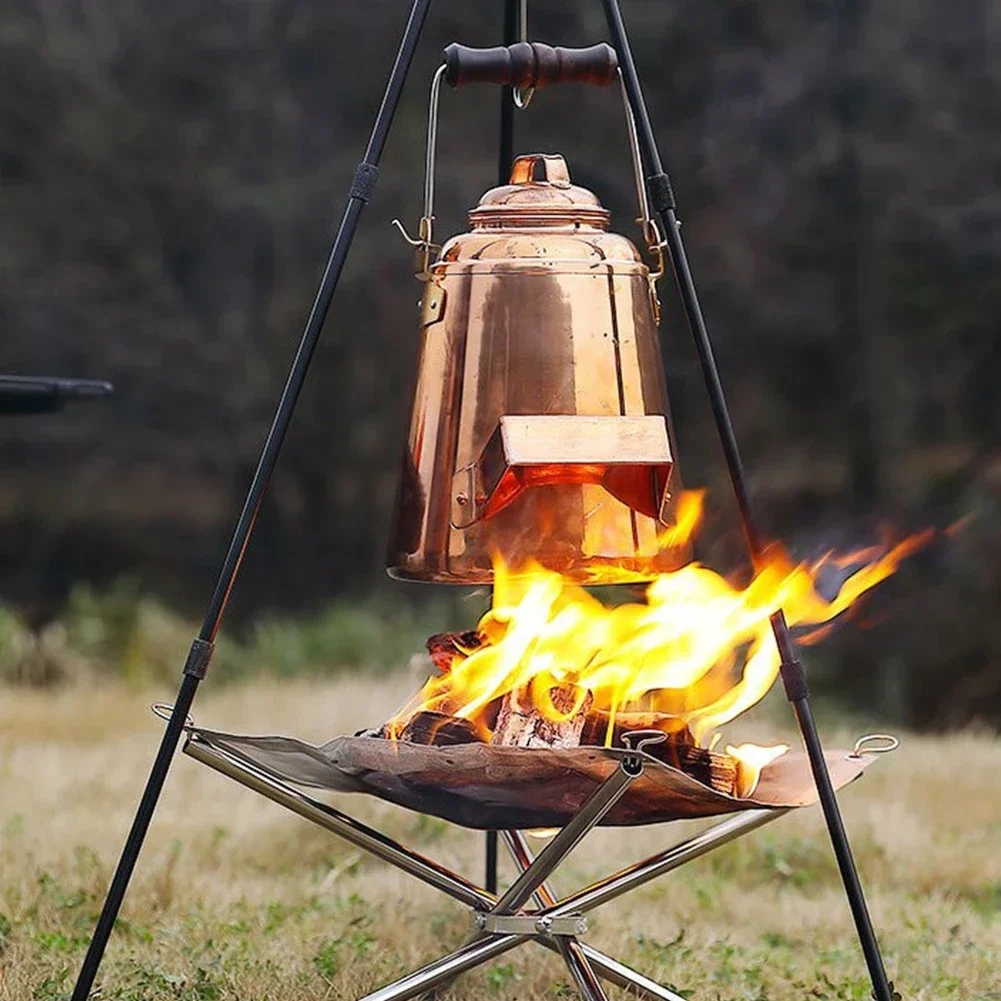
point(661, 193)
point(199, 658)
point(794, 680)
point(363, 182)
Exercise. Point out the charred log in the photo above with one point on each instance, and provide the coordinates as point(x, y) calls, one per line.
point(445, 647)
point(678, 749)
point(712, 769)
point(597, 726)
point(428, 727)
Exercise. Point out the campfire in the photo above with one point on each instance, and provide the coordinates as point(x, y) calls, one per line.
point(551, 665)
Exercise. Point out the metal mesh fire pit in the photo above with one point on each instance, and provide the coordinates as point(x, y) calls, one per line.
point(512, 789)
point(494, 788)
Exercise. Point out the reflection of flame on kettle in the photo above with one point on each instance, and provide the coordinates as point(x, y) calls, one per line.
point(540, 420)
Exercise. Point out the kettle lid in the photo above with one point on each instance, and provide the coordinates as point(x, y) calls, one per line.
point(527, 201)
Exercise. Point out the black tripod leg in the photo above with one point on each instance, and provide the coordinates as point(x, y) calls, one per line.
point(505, 156)
point(662, 200)
point(201, 649)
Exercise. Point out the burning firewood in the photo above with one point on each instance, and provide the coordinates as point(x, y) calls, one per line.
point(445, 647)
point(595, 730)
point(718, 771)
point(678, 749)
point(428, 727)
point(562, 716)
point(521, 723)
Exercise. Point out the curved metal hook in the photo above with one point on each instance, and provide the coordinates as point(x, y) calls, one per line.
point(165, 710)
point(875, 743)
point(522, 98)
point(638, 740)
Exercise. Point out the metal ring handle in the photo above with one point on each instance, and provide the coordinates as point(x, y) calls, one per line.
point(875, 743)
point(638, 740)
point(165, 710)
point(522, 98)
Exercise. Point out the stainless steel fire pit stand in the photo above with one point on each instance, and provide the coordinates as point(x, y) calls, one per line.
point(500, 923)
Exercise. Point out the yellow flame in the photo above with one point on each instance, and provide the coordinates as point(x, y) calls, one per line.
point(699, 648)
point(751, 759)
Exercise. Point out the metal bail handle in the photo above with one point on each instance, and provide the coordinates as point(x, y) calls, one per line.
point(510, 65)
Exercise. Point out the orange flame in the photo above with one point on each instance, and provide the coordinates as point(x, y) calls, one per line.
point(699, 649)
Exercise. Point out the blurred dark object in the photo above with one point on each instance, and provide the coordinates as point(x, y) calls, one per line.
point(35, 394)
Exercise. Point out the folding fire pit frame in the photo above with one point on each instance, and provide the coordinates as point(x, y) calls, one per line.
point(503, 922)
point(518, 69)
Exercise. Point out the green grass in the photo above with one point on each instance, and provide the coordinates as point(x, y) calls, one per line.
point(234, 898)
point(123, 633)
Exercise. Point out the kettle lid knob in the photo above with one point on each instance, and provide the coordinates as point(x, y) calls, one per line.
point(554, 168)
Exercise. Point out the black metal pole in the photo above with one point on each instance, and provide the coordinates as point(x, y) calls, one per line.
point(793, 676)
point(200, 654)
point(505, 153)
point(505, 156)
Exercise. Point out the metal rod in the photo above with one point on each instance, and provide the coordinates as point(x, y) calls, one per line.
point(474, 953)
point(589, 961)
point(618, 973)
point(505, 157)
point(490, 862)
point(137, 833)
point(597, 805)
point(651, 234)
point(505, 149)
point(672, 858)
point(518, 847)
point(522, 98)
point(882, 987)
point(581, 970)
point(662, 198)
point(359, 834)
point(625, 977)
point(431, 151)
point(360, 192)
point(570, 949)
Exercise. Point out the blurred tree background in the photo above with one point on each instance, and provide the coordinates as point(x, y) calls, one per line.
point(171, 174)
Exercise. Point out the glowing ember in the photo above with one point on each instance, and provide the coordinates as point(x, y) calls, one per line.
point(699, 651)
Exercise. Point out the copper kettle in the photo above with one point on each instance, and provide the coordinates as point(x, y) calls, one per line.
point(539, 429)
